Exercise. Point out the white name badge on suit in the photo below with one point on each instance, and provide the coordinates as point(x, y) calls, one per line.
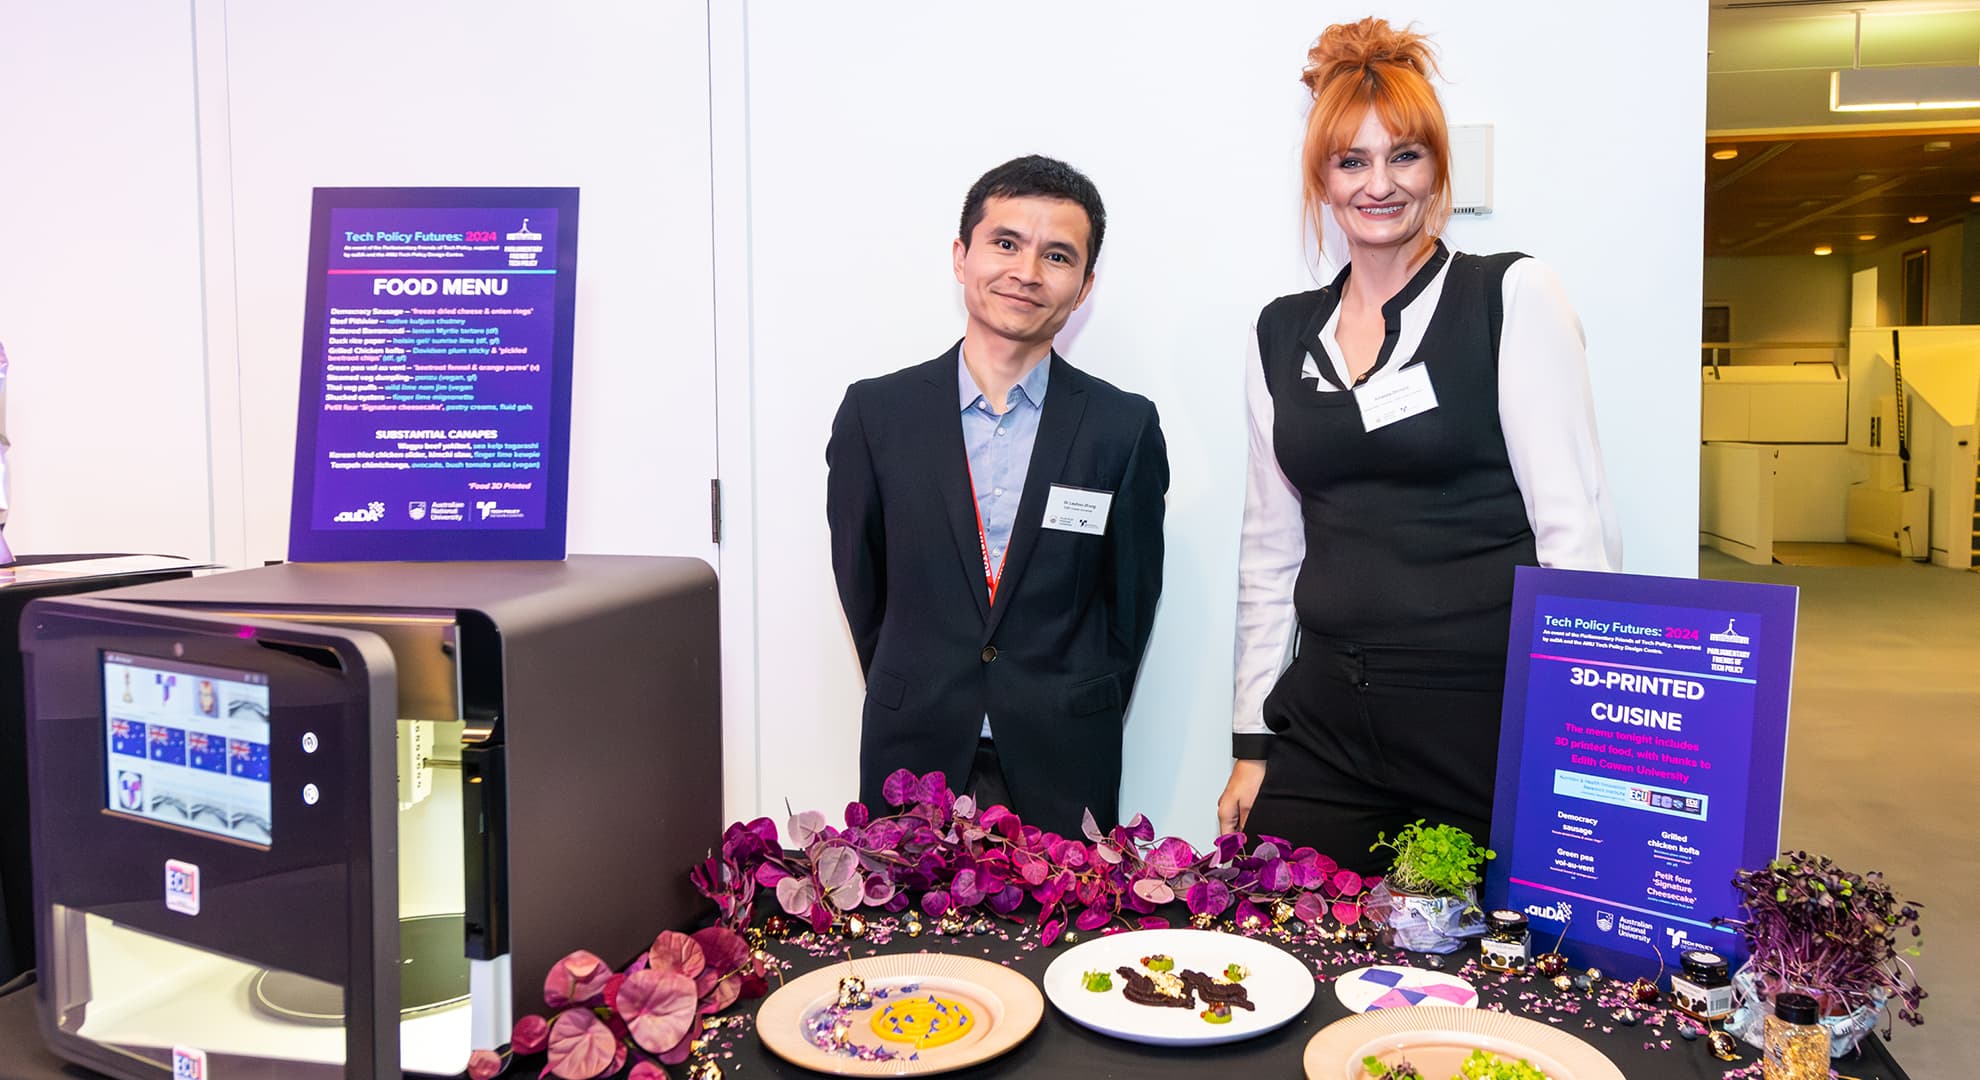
point(1080, 510)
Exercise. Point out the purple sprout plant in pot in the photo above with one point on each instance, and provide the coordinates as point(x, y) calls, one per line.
point(1430, 897)
point(1841, 938)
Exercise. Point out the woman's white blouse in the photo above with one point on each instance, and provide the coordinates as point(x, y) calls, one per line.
point(1545, 410)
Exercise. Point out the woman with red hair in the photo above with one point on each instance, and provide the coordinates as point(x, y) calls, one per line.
point(1419, 427)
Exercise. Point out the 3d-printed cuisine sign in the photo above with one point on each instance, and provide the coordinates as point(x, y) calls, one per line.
point(1640, 760)
point(435, 412)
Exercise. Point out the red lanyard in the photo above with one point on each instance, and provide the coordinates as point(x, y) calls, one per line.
point(991, 574)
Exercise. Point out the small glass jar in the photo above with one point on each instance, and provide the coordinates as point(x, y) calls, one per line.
point(1704, 989)
point(1797, 1044)
point(1507, 945)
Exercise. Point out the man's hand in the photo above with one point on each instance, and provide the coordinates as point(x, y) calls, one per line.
point(1234, 805)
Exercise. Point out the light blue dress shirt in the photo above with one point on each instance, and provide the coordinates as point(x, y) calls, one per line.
point(999, 449)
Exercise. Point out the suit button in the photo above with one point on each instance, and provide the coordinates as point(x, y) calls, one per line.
point(989, 653)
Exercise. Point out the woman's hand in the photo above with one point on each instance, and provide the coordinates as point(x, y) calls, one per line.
point(1234, 805)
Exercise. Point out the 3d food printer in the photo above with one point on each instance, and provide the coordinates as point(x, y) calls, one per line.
point(339, 820)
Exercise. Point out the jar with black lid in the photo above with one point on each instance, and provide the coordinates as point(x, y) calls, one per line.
point(1704, 987)
point(1507, 945)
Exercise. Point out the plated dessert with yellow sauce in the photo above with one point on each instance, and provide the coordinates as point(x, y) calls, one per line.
point(900, 1015)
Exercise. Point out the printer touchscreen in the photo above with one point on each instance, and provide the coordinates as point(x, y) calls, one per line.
point(188, 746)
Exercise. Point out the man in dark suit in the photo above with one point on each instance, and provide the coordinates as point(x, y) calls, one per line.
point(996, 521)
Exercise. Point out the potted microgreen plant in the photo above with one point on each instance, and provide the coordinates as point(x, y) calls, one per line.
point(1430, 896)
point(1841, 938)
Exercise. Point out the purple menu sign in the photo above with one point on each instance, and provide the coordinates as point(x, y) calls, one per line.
point(436, 389)
point(1640, 760)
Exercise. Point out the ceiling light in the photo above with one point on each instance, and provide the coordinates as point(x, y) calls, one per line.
point(1895, 89)
point(1864, 178)
point(1973, 198)
point(1866, 236)
point(1727, 154)
point(1938, 146)
point(1918, 219)
point(1823, 249)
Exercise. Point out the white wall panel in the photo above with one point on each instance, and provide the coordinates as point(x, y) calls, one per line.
point(609, 98)
point(100, 304)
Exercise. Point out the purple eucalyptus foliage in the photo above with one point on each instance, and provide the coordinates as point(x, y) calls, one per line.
point(652, 1011)
point(942, 855)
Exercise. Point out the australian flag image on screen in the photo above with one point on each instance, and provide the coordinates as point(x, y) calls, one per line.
point(249, 759)
point(208, 752)
point(127, 737)
point(168, 744)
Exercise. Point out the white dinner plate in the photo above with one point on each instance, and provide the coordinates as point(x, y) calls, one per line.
point(1278, 983)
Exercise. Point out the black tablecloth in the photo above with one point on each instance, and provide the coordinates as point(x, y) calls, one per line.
point(1062, 1048)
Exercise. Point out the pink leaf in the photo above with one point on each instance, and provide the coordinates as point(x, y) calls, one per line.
point(1168, 858)
point(1094, 918)
point(657, 1008)
point(680, 1051)
point(727, 953)
point(580, 1046)
point(857, 815)
point(1347, 911)
point(728, 962)
point(1154, 890)
point(1348, 883)
point(1108, 853)
point(1153, 922)
point(797, 895)
point(1309, 907)
point(879, 889)
point(1141, 829)
point(934, 788)
point(1208, 897)
point(1090, 827)
point(675, 951)
point(769, 874)
point(1051, 932)
point(646, 1070)
point(805, 827)
point(530, 1034)
point(574, 979)
point(898, 788)
point(484, 1065)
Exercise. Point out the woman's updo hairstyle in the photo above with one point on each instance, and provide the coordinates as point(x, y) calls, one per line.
point(1355, 67)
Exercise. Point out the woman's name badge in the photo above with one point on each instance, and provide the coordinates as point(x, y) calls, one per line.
point(1398, 397)
point(1080, 510)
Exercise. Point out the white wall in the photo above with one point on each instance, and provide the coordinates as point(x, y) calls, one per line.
point(100, 303)
point(1798, 298)
point(1943, 271)
point(609, 98)
point(865, 133)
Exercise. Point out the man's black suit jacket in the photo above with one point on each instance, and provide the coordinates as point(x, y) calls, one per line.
point(1054, 661)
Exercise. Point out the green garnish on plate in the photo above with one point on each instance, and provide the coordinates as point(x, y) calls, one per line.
point(1483, 1066)
point(1097, 981)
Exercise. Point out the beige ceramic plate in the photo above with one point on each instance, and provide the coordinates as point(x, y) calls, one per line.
point(1003, 1007)
point(1437, 1040)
